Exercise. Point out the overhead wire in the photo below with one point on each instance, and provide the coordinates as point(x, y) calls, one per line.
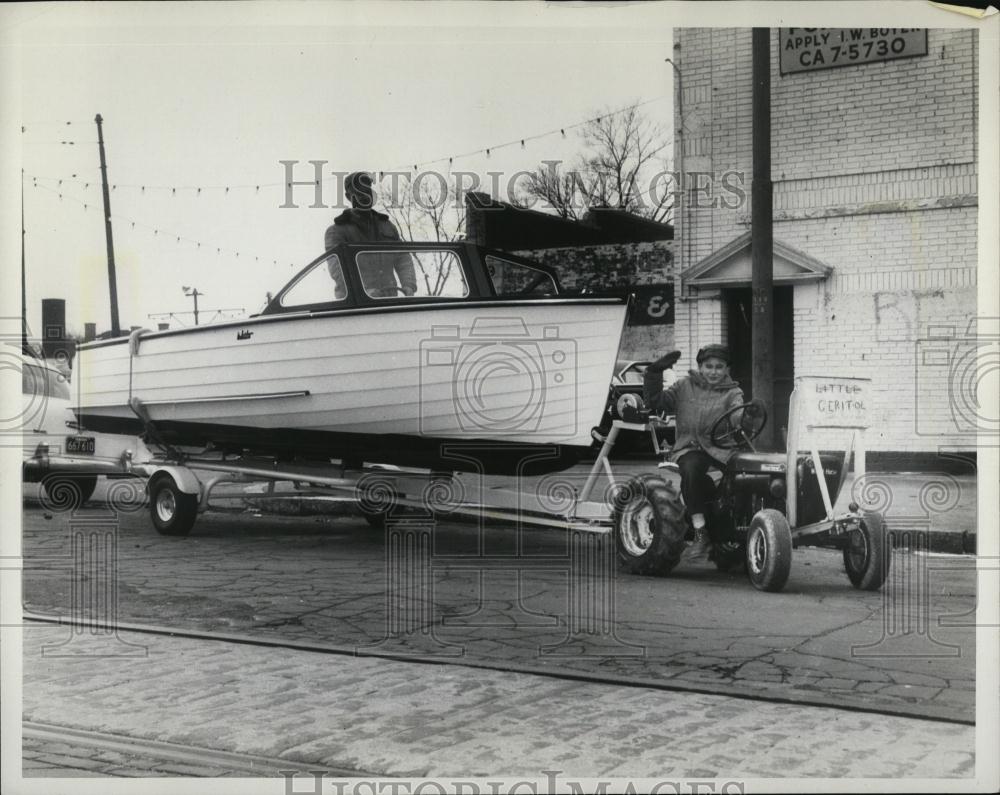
point(488, 151)
point(162, 233)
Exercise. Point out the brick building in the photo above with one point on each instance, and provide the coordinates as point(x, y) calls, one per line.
point(874, 166)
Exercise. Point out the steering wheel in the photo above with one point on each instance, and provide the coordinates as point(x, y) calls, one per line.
point(728, 436)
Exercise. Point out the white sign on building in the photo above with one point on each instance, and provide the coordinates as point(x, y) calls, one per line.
point(806, 49)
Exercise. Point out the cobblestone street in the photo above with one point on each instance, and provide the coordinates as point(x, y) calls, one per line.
point(504, 599)
point(410, 720)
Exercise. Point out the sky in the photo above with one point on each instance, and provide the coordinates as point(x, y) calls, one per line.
point(208, 99)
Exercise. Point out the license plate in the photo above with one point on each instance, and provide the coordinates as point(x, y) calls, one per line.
point(80, 444)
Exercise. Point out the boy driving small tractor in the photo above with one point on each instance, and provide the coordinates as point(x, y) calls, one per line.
point(764, 505)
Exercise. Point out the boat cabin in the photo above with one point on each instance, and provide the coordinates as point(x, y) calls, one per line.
point(394, 274)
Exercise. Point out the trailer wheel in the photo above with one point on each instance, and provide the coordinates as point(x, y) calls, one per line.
point(377, 516)
point(376, 496)
point(769, 550)
point(376, 520)
point(70, 490)
point(648, 524)
point(172, 510)
point(867, 555)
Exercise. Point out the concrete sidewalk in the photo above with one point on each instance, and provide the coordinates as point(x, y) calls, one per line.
point(385, 718)
point(935, 511)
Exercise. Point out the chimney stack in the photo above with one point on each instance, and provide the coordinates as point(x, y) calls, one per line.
point(55, 346)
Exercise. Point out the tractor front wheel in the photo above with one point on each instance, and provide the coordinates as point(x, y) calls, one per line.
point(769, 550)
point(867, 555)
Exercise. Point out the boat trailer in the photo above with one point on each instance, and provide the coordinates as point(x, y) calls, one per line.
point(180, 484)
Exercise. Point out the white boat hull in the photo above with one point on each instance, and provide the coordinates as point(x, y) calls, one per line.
point(503, 375)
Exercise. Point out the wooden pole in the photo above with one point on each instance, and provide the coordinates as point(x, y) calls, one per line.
point(24, 282)
point(112, 281)
point(761, 233)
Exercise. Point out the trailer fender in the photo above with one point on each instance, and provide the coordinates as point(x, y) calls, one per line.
point(185, 479)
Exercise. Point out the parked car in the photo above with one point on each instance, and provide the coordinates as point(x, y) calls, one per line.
point(49, 441)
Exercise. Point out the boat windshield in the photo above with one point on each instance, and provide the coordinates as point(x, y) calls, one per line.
point(515, 278)
point(323, 283)
point(423, 273)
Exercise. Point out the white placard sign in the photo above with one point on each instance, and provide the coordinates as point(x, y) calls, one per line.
point(832, 402)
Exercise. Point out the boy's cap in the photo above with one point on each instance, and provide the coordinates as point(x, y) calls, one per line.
point(714, 352)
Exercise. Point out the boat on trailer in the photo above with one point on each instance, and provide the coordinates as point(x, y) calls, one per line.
point(493, 369)
point(489, 354)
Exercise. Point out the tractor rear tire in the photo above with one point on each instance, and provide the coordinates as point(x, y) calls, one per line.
point(867, 555)
point(769, 550)
point(648, 525)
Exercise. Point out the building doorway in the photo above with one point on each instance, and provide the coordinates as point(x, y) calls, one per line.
point(739, 311)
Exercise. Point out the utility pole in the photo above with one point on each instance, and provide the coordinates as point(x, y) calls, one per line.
point(112, 281)
point(24, 283)
point(193, 292)
point(762, 233)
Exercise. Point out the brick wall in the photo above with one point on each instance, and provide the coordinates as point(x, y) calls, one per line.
point(699, 321)
point(614, 266)
point(875, 174)
point(877, 117)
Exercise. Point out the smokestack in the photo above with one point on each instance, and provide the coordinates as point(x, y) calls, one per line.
point(55, 346)
point(89, 332)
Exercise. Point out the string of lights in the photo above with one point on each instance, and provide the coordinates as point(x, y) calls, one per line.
point(60, 122)
point(522, 141)
point(59, 143)
point(488, 151)
point(158, 232)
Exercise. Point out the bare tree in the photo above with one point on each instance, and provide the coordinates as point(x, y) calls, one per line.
point(426, 207)
point(623, 165)
point(568, 194)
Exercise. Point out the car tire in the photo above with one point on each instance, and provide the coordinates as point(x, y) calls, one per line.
point(648, 525)
point(868, 555)
point(173, 511)
point(769, 550)
point(76, 489)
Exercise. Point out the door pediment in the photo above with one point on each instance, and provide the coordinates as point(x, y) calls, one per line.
point(731, 266)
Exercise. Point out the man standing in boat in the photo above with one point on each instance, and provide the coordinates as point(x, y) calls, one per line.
point(363, 224)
